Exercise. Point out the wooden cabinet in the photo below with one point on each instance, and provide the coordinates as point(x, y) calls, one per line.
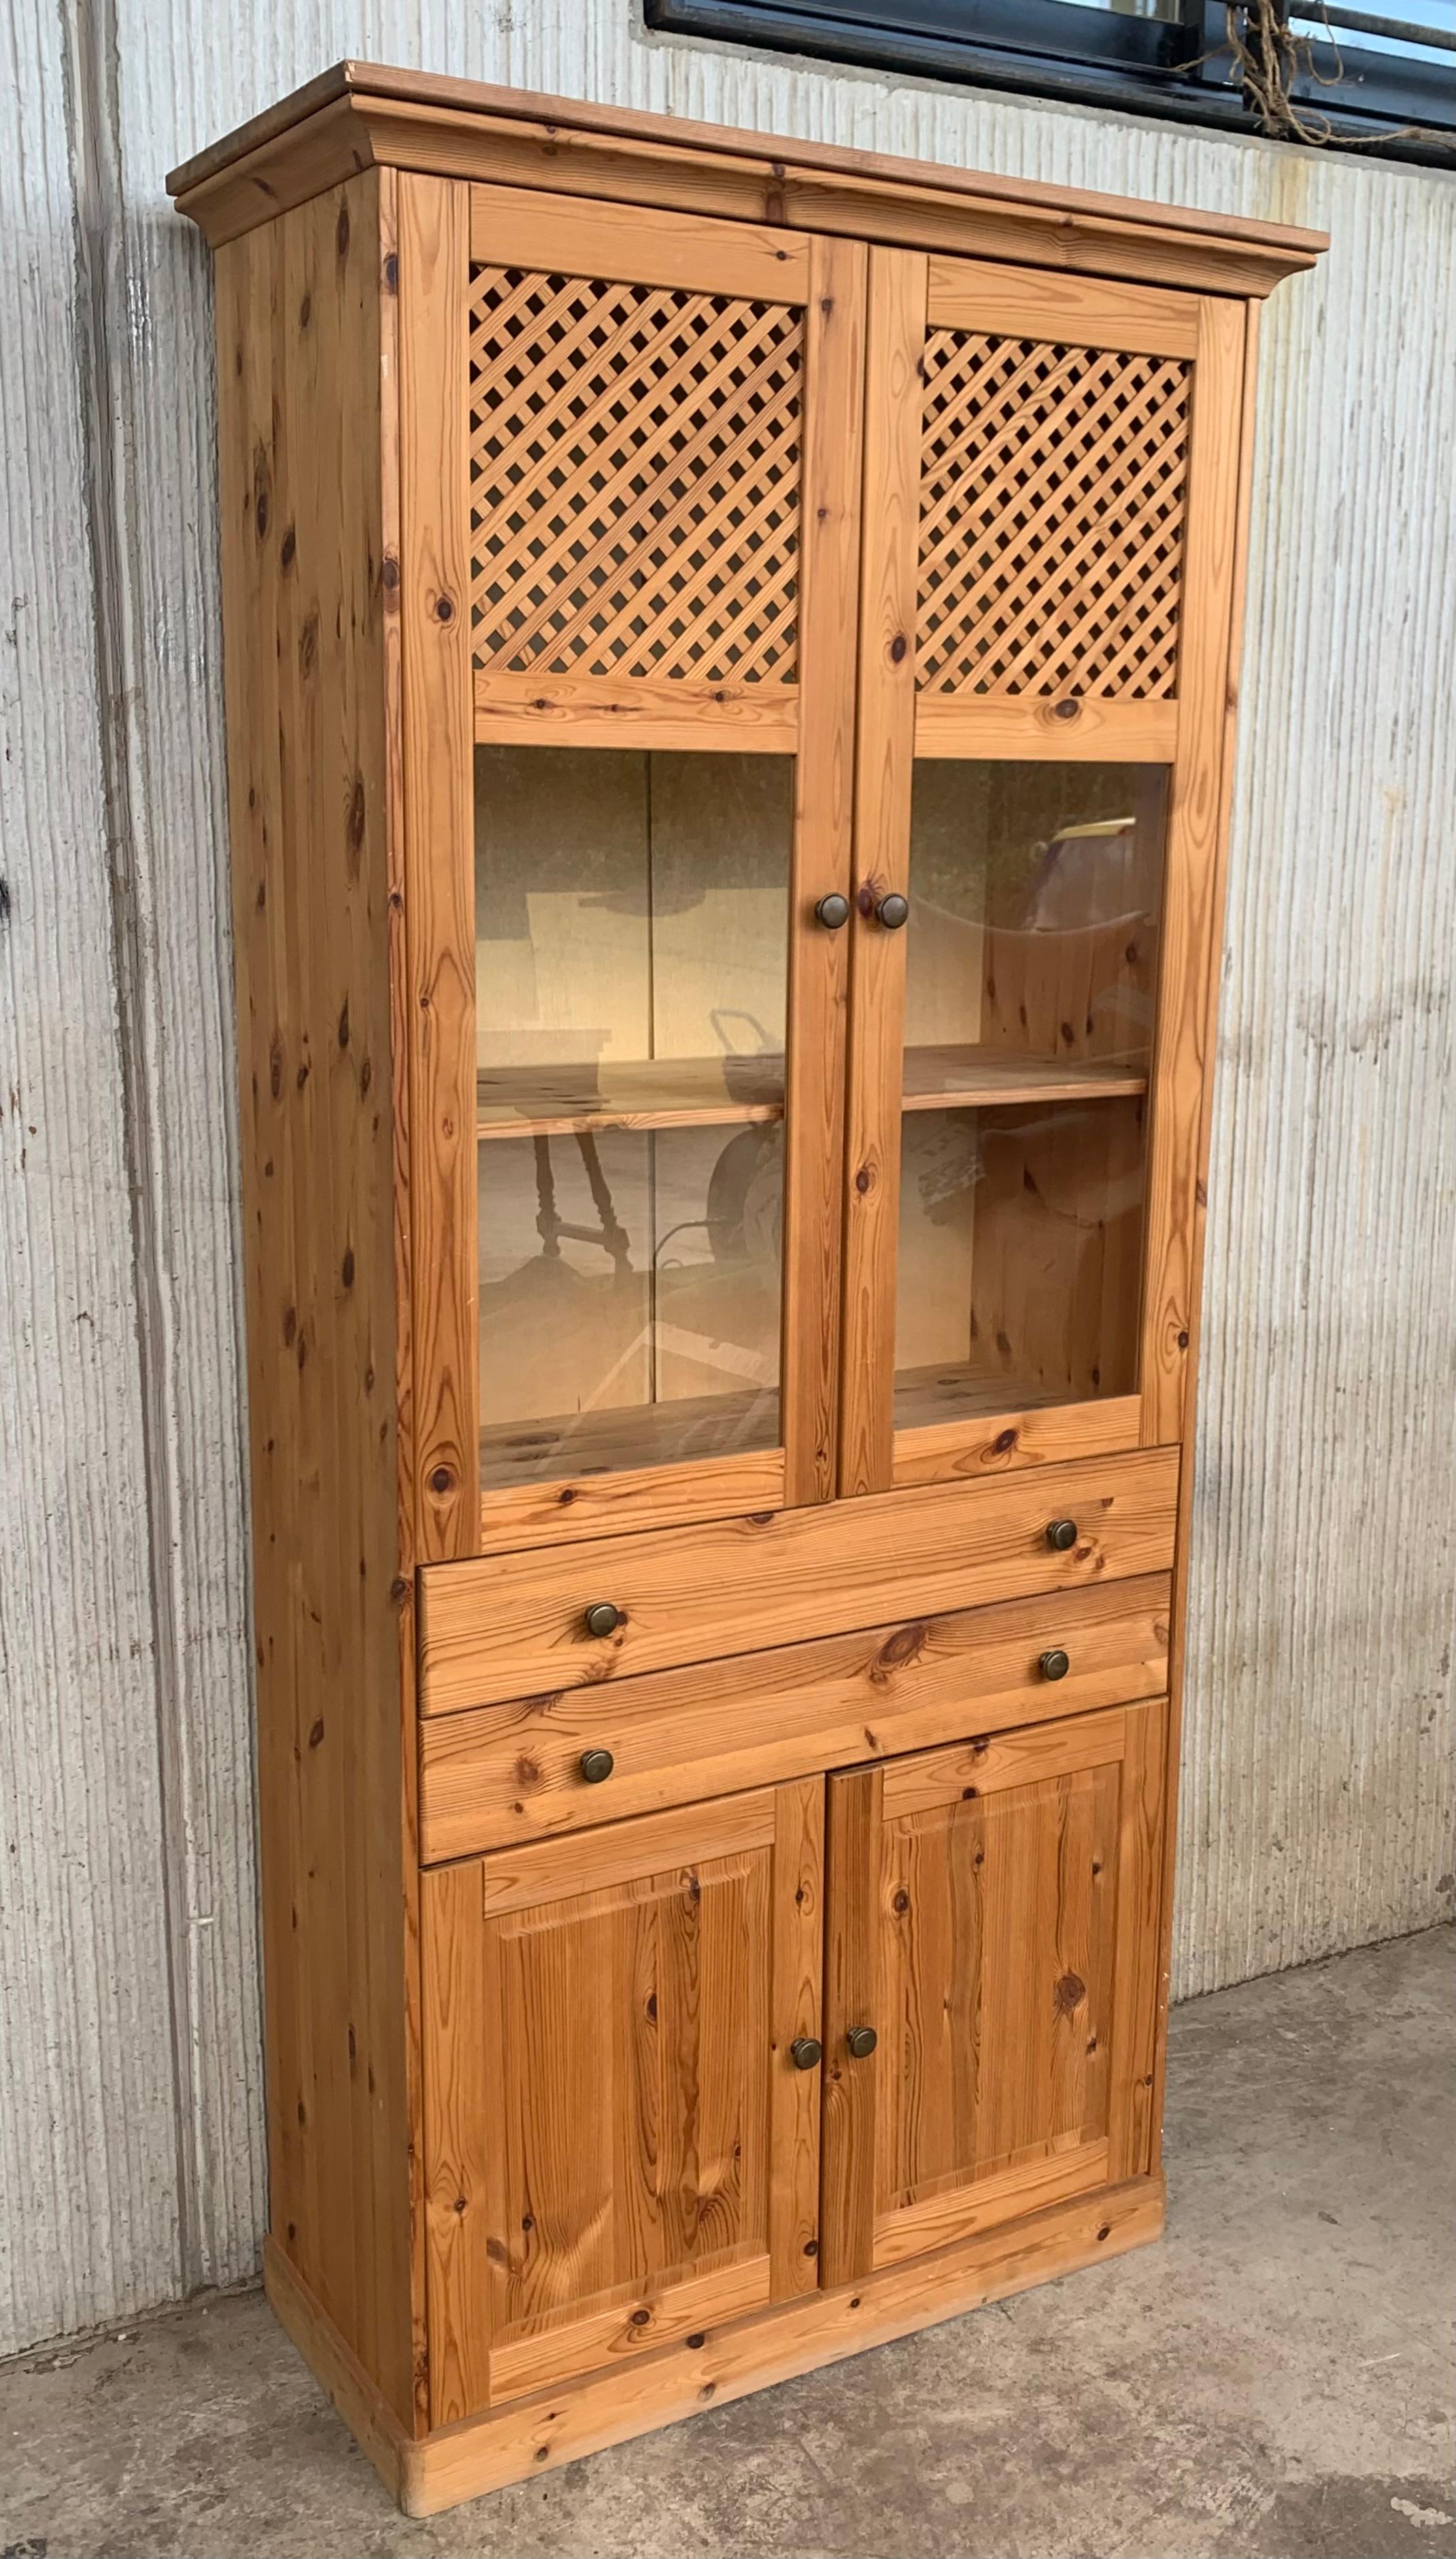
point(730, 651)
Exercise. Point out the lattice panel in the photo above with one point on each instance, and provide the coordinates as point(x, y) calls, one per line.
point(633, 480)
point(1051, 536)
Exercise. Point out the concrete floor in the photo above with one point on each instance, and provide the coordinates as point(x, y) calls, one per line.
point(1274, 2379)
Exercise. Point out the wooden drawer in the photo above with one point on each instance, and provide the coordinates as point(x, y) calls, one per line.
point(505, 1773)
point(514, 1625)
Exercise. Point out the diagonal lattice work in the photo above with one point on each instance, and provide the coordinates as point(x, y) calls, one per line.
point(634, 458)
point(1051, 534)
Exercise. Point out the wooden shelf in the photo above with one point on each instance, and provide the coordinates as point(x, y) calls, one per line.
point(947, 1392)
point(686, 1429)
point(960, 1079)
point(718, 1092)
point(637, 1093)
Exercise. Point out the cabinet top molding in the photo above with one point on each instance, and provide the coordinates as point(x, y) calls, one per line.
point(360, 115)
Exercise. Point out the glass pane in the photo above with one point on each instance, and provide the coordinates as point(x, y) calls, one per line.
point(631, 921)
point(1030, 986)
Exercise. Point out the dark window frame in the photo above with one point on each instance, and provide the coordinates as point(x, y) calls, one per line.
point(1385, 104)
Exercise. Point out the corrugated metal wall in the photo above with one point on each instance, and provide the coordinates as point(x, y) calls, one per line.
point(1317, 1800)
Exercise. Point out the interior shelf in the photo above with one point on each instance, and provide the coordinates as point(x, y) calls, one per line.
point(718, 1092)
point(637, 1093)
point(604, 1442)
point(938, 1079)
point(946, 1392)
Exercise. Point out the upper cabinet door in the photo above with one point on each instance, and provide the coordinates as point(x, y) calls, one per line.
point(1046, 611)
point(627, 1012)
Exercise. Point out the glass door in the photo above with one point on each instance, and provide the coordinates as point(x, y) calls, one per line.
point(662, 466)
point(1030, 954)
point(1045, 611)
point(632, 976)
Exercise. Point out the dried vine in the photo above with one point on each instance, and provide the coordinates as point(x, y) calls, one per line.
point(1269, 57)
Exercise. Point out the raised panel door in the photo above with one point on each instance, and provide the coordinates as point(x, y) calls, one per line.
point(620, 2144)
point(989, 2007)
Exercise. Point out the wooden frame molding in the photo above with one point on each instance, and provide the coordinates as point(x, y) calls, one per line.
point(478, 2454)
point(358, 112)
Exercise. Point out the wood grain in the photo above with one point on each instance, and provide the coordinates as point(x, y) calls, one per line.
point(988, 1916)
point(571, 115)
point(501, 1774)
point(566, 1509)
point(851, 1999)
point(1059, 729)
point(531, 710)
point(511, 1625)
point(302, 475)
point(620, 2149)
point(439, 730)
point(516, 227)
point(510, 136)
point(1075, 310)
point(959, 1448)
point(1182, 1061)
point(478, 2454)
point(884, 753)
point(355, 2393)
point(629, 1092)
point(818, 960)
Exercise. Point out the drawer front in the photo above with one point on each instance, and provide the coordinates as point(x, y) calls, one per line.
point(498, 1774)
point(507, 1626)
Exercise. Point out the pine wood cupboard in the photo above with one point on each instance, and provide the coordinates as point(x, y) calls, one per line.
point(730, 659)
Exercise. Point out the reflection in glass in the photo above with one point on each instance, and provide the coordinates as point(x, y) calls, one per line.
point(1031, 988)
point(630, 954)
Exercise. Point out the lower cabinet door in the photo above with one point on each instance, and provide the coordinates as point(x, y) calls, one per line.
point(992, 1980)
point(622, 2140)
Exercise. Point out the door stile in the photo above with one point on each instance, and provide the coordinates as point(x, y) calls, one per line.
point(438, 731)
point(1139, 1898)
point(851, 1997)
point(796, 2006)
point(1194, 879)
point(884, 760)
point(819, 958)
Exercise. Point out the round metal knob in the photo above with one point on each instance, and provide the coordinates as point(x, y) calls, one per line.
point(602, 1618)
point(861, 2041)
point(1061, 1535)
point(892, 911)
point(806, 2052)
point(1055, 1664)
point(832, 911)
point(595, 1766)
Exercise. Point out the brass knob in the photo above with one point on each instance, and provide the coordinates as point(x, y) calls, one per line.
point(861, 2041)
point(892, 911)
point(602, 1618)
point(595, 1766)
point(832, 911)
point(806, 2052)
point(1061, 1534)
point(1055, 1664)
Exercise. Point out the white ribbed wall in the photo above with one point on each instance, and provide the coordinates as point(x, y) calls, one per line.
point(1317, 1798)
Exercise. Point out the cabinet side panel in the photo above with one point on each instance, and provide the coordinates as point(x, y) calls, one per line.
point(1179, 1617)
point(300, 438)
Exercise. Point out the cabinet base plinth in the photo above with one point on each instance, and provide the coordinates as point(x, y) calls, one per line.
point(432, 2472)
